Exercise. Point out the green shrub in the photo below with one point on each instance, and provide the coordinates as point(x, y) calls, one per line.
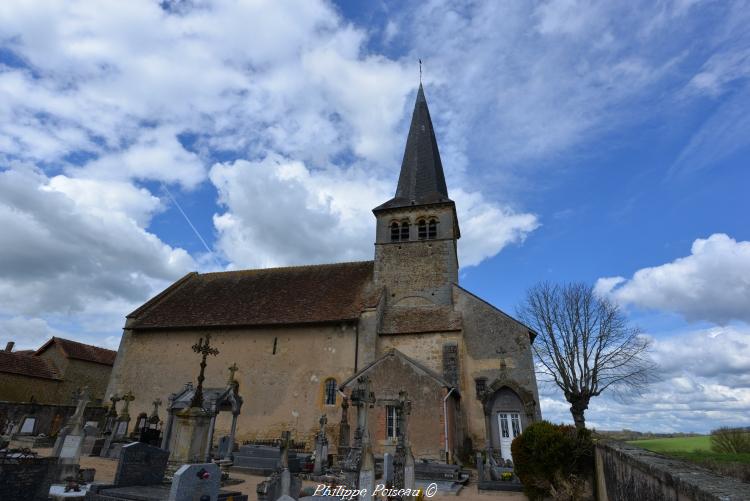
point(730, 440)
point(553, 460)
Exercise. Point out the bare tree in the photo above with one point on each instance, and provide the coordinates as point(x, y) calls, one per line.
point(585, 345)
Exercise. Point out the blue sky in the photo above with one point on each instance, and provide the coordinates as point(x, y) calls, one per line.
point(605, 143)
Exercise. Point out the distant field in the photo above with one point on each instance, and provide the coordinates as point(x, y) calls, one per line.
point(698, 450)
point(677, 444)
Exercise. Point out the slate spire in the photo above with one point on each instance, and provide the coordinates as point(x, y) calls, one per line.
point(421, 180)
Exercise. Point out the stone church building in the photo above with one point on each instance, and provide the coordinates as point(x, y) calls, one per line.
point(301, 335)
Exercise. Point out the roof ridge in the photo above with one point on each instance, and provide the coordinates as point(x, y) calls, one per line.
point(281, 268)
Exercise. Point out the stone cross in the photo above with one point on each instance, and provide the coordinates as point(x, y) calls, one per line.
point(76, 420)
point(156, 403)
point(323, 422)
point(362, 397)
point(127, 398)
point(232, 369)
point(203, 349)
point(75, 396)
point(503, 363)
point(113, 408)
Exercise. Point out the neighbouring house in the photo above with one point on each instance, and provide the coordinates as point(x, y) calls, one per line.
point(38, 388)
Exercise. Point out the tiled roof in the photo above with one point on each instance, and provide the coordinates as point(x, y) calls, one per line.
point(81, 351)
point(273, 296)
point(27, 365)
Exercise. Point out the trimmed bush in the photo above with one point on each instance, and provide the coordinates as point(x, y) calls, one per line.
point(553, 460)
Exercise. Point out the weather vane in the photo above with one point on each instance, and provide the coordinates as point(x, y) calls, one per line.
point(420, 71)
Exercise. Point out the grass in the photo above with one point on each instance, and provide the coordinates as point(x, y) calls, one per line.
point(677, 444)
point(698, 450)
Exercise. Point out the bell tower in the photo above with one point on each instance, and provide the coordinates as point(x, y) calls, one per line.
point(416, 257)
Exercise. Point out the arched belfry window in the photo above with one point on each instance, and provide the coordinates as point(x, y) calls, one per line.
point(330, 391)
point(395, 234)
point(432, 229)
point(421, 229)
point(405, 230)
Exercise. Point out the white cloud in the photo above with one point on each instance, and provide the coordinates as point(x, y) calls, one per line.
point(476, 215)
point(279, 212)
point(63, 255)
point(712, 283)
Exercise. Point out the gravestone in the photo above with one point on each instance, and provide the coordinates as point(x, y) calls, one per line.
point(225, 446)
point(27, 428)
point(388, 468)
point(70, 440)
point(366, 473)
point(321, 448)
point(192, 481)
point(141, 464)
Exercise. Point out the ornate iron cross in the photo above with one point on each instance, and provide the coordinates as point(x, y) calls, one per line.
point(204, 349)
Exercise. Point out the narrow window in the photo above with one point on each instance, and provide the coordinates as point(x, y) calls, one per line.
point(405, 230)
point(515, 424)
point(481, 386)
point(421, 229)
point(394, 232)
point(330, 391)
point(432, 229)
point(392, 429)
point(275, 340)
point(504, 425)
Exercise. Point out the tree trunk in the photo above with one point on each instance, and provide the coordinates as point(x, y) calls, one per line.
point(577, 410)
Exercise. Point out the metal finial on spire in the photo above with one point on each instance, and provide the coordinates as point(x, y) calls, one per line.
point(420, 71)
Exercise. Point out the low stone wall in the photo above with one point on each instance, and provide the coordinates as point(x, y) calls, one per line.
point(49, 417)
point(24, 478)
point(625, 472)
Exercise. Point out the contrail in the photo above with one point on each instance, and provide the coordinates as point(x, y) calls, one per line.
point(195, 230)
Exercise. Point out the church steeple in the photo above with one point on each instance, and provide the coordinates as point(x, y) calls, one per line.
point(422, 180)
point(416, 255)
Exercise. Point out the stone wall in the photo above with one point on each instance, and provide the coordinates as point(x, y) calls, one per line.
point(26, 479)
point(625, 472)
point(497, 348)
point(281, 391)
point(417, 268)
point(74, 374)
point(426, 429)
point(18, 388)
point(79, 374)
point(49, 417)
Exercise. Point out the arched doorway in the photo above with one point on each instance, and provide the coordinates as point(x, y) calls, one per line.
point(507, 419)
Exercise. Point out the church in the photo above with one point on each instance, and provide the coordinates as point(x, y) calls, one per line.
point(301, 336)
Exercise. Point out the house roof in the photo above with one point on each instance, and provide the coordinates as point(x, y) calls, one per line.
point(27, 365)
point(422, 180)
point(262, 297)
point(393, 352)
point(80, 351)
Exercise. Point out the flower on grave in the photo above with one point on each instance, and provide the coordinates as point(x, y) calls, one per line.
point(507, 475)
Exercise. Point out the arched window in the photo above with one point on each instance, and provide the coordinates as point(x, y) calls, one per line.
point(421, 229)
point(432, 229)
point(330, 391)
point(394, 232)
point(405, 230)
